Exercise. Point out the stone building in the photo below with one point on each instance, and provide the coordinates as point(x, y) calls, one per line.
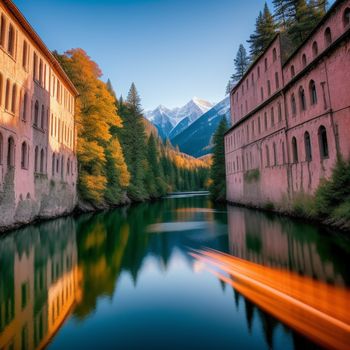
point(291, 116)
point(38, 165)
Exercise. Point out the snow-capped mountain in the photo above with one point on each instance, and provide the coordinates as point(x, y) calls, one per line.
point(170, 122)
point(196, 139)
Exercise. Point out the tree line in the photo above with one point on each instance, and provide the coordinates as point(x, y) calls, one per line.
point(294, 19)
point(118, 158)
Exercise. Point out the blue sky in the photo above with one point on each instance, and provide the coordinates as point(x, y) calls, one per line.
point(172, 49)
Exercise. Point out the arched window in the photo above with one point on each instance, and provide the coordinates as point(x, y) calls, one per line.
point(274, 154)
point(265, 120)
point(36, 113)
point(293, 105)
point(279, 112)
point(62, 167)
point(1, 147)
point(259, 125)
point(24, 156)
point(53, 164)
point(35, 66)
point(303, 60)
point(314, 48)
point(327, 36)
point(36, 160)
point(313, 92)
point(258, 72)
point(41, 71)
point(57, 164)
point(68, 166)
point(272, 117)
point(14, 98)
point(25, 55)
point(346, 17)
point(277, 81)
point(11, 152)
point(323, 142)
point(262, 93)
point(42, 161)
point(274, 54)
point(307, 141)
point(267, 156)
point(292, 71)
point(265, 63)
point(1, 88)
point(302, 99)
point(7, 95)
point(25, 106)
point(11, 41)
point(2, 30)
point(42, 121)
point(268, 88)
point(295, 150)
point(283, 153)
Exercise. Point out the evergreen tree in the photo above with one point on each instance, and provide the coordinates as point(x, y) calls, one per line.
point(265, 30)
point(281, 13)
point(133, 139)
point(218, 173)
point(241, 63)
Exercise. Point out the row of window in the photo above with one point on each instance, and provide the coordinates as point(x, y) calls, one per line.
point(41, 75)
point(327, 41)
point(7, 36)
point(9, 99)
point(255, 127)
point(61, 131)
point(40, 165)
point(248, 162)
point(302, 98)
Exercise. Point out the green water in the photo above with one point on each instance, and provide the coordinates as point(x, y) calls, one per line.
point(125, 279)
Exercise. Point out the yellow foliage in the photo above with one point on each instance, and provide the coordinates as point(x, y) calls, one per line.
point(93, 185)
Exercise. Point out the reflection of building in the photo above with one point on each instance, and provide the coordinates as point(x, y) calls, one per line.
point(43, 287)
point(290, 116)
point(38, 166)
point(255, 237)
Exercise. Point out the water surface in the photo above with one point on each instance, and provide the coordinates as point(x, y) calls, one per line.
point(131, 279)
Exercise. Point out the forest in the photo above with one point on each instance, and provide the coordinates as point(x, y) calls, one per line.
point(120, 156)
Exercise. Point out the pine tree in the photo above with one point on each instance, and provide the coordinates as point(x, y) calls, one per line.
point(281, 13)
point(241, 63)
point(265, 30)
point(133, 139)
point(218, 173)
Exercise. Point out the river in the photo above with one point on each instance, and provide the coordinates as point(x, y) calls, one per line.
point(178, 273)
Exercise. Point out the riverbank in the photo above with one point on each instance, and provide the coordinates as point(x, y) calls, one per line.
point(269, 207)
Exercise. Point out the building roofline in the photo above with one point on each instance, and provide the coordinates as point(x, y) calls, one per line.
point(286, 87)
point(254, 63)
point(39, 42)
point(318, 25)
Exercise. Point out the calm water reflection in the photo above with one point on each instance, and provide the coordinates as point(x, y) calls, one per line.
point(127, 278)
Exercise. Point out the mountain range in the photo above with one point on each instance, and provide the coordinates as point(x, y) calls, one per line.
point(192, 126)
point(171, 122)
point(196, 139)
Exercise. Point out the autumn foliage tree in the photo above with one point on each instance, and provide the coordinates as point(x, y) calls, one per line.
point(102, 170)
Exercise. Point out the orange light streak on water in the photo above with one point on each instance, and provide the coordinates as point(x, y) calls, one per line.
point(317, 310)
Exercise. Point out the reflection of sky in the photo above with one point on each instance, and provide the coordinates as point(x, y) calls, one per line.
point(168, 309)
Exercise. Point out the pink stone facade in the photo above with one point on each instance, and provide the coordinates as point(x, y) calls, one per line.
point(38, 165)
point(291, 118)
